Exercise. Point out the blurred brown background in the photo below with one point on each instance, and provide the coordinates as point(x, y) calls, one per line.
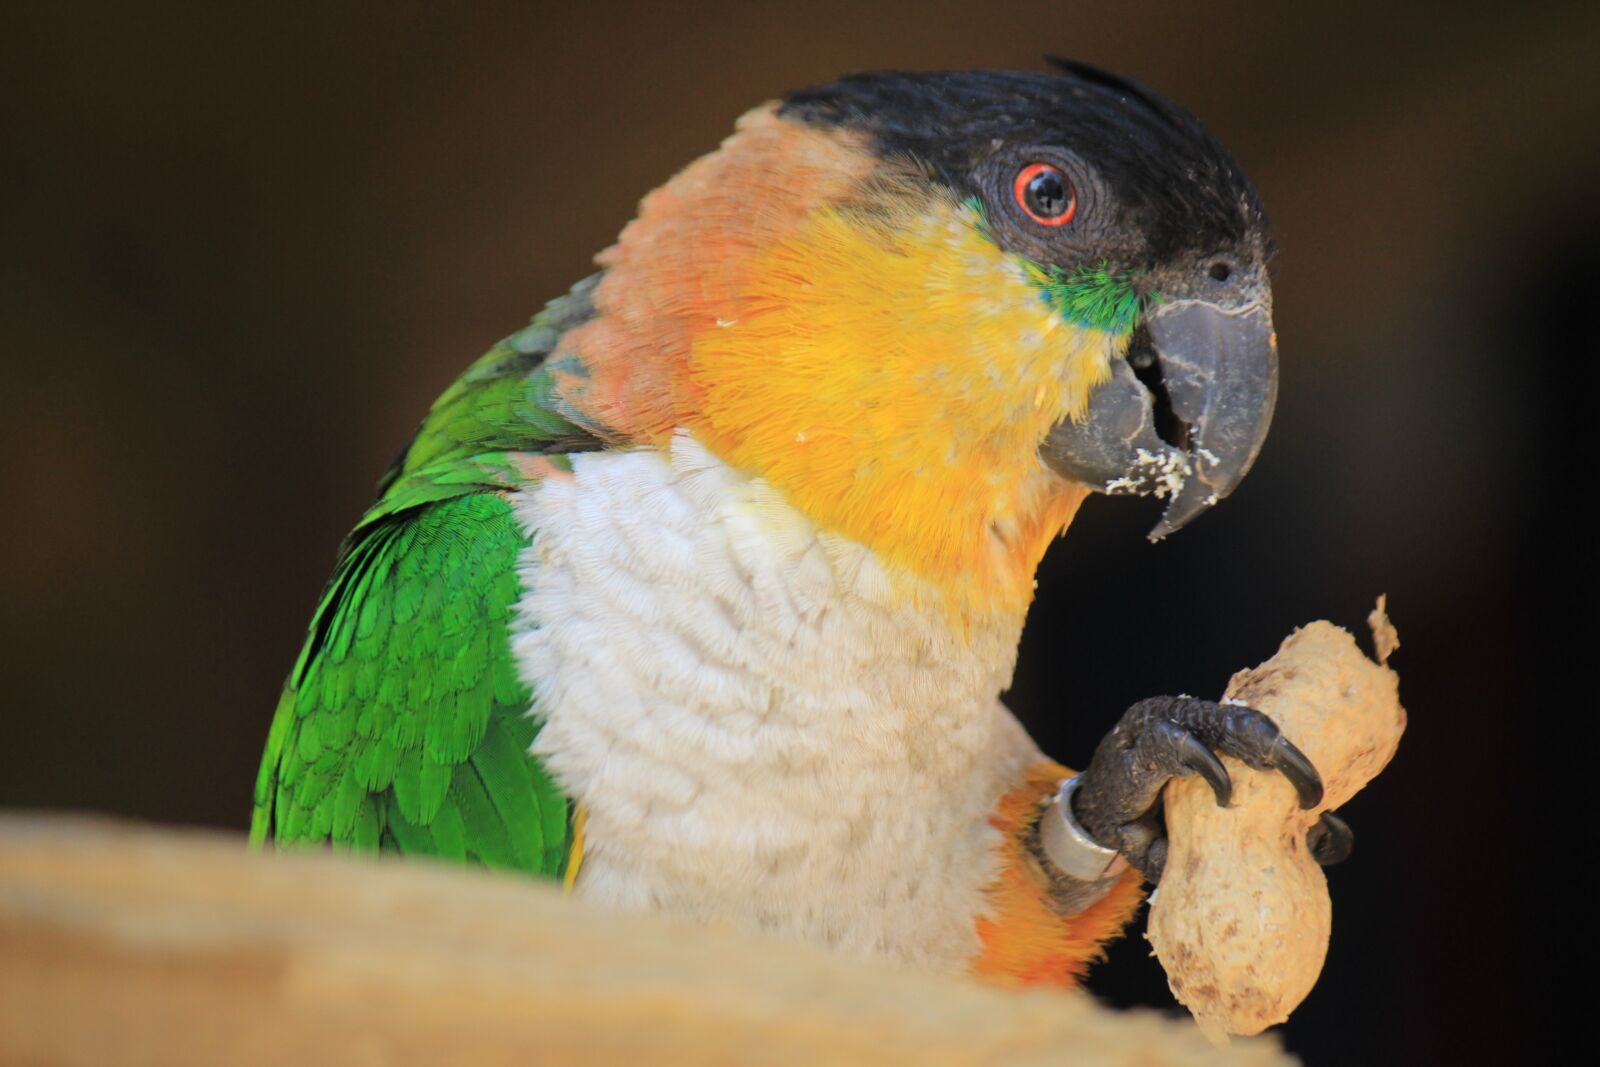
point(242, 250)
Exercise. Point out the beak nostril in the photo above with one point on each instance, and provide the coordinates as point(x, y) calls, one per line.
point(1220, 271)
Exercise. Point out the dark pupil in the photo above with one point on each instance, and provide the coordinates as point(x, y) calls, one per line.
point(1047, 194)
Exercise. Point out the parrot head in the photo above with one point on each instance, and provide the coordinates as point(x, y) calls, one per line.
point(938, 310)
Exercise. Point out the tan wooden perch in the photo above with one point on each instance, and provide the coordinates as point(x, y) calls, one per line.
point(122, 944)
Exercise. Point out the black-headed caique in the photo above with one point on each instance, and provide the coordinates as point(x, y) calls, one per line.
point(700, 591)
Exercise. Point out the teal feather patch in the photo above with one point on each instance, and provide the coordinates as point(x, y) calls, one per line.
point(1096, 296)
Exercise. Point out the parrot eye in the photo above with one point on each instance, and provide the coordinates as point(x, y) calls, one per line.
point(1045, 194)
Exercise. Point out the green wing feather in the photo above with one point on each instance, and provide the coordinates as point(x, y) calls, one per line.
point(403, 725)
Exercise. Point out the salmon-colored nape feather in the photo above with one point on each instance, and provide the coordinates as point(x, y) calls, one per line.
point(679, 268)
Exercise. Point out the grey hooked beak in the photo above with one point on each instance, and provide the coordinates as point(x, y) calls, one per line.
point(1189, 423)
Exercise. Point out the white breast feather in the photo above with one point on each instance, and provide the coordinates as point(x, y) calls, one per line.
point(763, 727)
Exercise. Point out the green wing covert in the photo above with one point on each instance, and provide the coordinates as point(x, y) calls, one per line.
point(403, 725)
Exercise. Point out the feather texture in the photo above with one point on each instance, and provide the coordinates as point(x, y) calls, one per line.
point(404, 725)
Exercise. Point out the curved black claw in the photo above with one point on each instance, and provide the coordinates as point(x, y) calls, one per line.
point(1295, 767)
point(1118, 800)
point(1330, 840)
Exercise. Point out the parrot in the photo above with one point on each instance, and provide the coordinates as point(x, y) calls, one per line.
point(698, 593)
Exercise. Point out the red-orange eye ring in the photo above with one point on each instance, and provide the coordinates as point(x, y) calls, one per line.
point(1045, 194)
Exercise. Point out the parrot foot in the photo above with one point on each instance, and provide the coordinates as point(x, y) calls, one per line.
point(1118, 798)
point(1331, 840)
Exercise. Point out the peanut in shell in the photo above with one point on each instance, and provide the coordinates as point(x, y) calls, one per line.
point(1242, 918)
